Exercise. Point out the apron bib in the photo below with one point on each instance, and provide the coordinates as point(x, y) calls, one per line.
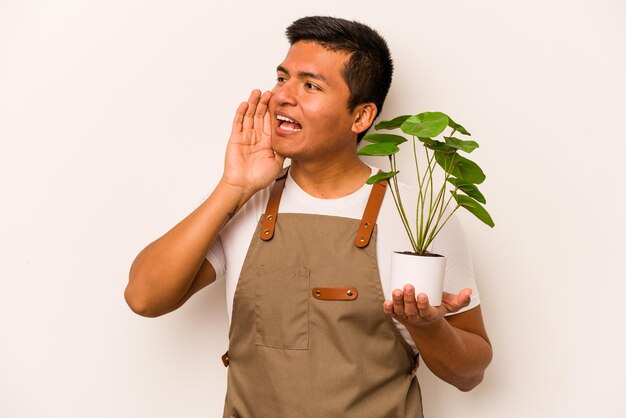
point(308, 336)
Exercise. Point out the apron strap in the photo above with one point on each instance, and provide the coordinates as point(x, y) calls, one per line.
point(271, 211)
point(367, 222)
point(370, 214)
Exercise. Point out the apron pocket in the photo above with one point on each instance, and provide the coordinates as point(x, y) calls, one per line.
point(282, 307)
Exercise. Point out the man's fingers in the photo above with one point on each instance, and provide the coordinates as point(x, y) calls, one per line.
point(410, 307)
point(425, 310)
point(456, 302)
point(398, 302)
point(253, 114)
point(239, 114)
point(267, 123)
point(422, 302)
point(388, 307)
point(466, 295)
point(253, 101)
point(464, 298)
point(261, 111)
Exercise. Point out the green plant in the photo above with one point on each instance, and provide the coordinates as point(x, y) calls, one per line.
point(460, 175)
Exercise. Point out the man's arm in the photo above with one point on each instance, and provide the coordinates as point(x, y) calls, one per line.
point(455, 348)
point(170, 270)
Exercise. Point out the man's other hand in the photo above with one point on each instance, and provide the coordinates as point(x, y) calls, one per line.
point(412, 311)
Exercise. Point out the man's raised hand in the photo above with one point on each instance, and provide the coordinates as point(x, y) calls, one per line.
point(251, 163)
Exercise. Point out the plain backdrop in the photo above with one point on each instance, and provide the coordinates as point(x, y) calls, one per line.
point(113, 122)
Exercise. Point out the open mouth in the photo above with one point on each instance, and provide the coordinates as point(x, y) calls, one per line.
point(288, 124)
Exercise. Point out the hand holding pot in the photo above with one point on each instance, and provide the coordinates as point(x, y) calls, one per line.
point(412, 311)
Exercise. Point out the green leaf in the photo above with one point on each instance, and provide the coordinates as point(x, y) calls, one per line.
point(427, 124)
point(384, 148)
point(460, 167)
point(377, 138)
point(391, 124)
point(474, 208)
point(437, 145)
point(468, 188)
point(466, 146)
point(457, 127)
point(381, 176)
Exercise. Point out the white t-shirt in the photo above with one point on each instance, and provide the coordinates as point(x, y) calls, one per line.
point(229, 251)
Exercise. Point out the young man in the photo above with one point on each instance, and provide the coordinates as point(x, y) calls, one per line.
point(311, 333)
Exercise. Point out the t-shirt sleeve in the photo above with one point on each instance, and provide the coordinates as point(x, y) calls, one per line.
point(216, 257)
point(459, 269)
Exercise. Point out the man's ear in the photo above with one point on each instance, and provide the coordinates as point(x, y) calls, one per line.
point(364, 116)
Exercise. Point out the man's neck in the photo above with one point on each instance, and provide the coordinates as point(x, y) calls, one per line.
point(330, 179)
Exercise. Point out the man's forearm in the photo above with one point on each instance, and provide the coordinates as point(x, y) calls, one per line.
point(456, 356)
point(163, 273)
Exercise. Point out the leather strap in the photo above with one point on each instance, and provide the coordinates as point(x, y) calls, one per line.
point(335, 293)
point(271, 210)
point(370, 214)
point(366, 227)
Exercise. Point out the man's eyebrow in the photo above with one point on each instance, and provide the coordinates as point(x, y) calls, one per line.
point(303, 74)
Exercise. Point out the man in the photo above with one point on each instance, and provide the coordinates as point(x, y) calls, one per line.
point(311, 334)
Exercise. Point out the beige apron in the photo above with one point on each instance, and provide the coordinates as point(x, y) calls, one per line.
point(308, 336)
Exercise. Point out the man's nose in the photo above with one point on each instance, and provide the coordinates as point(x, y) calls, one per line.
point(284, 93)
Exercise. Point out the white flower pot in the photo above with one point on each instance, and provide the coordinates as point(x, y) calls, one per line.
point(424, 273)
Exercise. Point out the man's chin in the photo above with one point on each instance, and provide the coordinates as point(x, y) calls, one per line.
point(281, 148)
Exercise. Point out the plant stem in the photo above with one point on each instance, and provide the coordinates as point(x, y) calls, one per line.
point(445, 183)
point(430, 180)
point(426, 180)
point(436, 227)
point(437, 207)
point(395, 192)
point(437, 204)
point(420, 196)
point(436, 231)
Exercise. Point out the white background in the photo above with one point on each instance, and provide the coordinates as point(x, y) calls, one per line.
point(113, 122)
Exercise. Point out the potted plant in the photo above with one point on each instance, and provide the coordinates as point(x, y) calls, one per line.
point(439, 169)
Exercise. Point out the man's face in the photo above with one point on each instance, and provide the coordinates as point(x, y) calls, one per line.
point(308, 108)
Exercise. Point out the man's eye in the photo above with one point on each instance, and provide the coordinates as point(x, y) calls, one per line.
point(280, 79)
point(311, 86)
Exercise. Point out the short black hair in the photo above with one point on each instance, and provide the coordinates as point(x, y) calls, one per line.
point(369, 70)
